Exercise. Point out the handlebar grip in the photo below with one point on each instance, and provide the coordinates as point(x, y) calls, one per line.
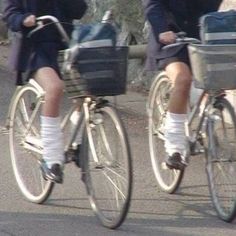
point(54, 20)
point(173, 45)
point(39, 25)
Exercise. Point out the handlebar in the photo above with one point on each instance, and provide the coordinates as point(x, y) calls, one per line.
point(53, 20)
point(108, 17)
point(182, 40)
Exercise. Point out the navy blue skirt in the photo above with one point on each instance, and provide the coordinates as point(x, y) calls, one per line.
point(180, 56)
point(44, 55)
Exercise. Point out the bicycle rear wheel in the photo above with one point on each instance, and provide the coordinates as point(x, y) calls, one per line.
point(168, 179)
point(109, 178)
point(24, 143)
point(221, 159)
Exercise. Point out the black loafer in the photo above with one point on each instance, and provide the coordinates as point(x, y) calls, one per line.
point(54, 174)
point(72, 154)
point(175, 161)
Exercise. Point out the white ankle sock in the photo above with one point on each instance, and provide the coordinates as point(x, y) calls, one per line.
point(175, 138)
point(52, 140)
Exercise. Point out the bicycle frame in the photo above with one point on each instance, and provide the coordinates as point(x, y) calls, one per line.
point(103, 157)
point(34, 145)
point(200, 129)
point(191, 117)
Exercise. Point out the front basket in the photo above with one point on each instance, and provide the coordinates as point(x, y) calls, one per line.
point(213, 66)
point(99, 71)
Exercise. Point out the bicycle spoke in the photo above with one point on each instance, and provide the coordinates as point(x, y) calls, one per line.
point(221, 168)
point(167, 179)
point(114, 185)
point(25, 154)
point(109, 178)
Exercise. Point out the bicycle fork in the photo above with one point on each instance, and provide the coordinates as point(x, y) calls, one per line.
point(87, 106)
point(195, 138)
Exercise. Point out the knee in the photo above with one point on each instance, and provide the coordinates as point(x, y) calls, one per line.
point(50, 81)
point(183, 82)
point(55, 90)
point(181, 76)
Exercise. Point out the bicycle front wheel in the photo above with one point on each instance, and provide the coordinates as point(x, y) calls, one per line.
point(109, 167)
point(221, 159)
point(168, 179)
point(24, 142)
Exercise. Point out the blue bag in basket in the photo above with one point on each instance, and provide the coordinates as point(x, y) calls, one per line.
point(218, 27)
point(100, 33)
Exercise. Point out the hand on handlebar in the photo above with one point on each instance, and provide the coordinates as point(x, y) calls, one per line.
point(40, 23)
point(29, 21)
point(181, 39)
point(167, 37)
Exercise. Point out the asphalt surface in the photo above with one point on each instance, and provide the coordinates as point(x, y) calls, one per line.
point(189, 212)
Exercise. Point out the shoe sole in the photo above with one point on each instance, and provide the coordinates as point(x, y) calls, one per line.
point(50, 178)
point(176, 165)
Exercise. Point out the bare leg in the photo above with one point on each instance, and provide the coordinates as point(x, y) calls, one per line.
point(53, 86)
point(52, 137)
point(180, 75)
point(175, 140)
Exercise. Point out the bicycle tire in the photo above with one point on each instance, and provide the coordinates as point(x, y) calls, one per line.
point(26, 163)
point(221, 158)
point(168, 179)
point(108, 181)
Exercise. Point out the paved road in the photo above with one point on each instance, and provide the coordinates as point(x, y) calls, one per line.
point(67, 213)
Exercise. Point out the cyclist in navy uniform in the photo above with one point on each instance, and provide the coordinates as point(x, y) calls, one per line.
point(38, 56)
point(166, 18)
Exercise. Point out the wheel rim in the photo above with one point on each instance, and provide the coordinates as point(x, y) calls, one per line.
point(222, 166)
point(109, 180)
point(166, 178)
point(26, 163)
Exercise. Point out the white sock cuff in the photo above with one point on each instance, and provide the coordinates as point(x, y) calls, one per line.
point(52, 121)
point(175, 123)
point(173, 117)
point(52, 140)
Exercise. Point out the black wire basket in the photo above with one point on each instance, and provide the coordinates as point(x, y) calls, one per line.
point(98, 71)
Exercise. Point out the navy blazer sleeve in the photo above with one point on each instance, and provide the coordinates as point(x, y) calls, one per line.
point(13, 14)
point(73, 9)
point(155, 12)
point(211, 5)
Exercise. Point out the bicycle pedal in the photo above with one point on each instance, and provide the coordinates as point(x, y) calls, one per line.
point(197, 151)
point(34, 141)
point(72, 155)
point(112, 164)
point(99, 167)
point(197, 146)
